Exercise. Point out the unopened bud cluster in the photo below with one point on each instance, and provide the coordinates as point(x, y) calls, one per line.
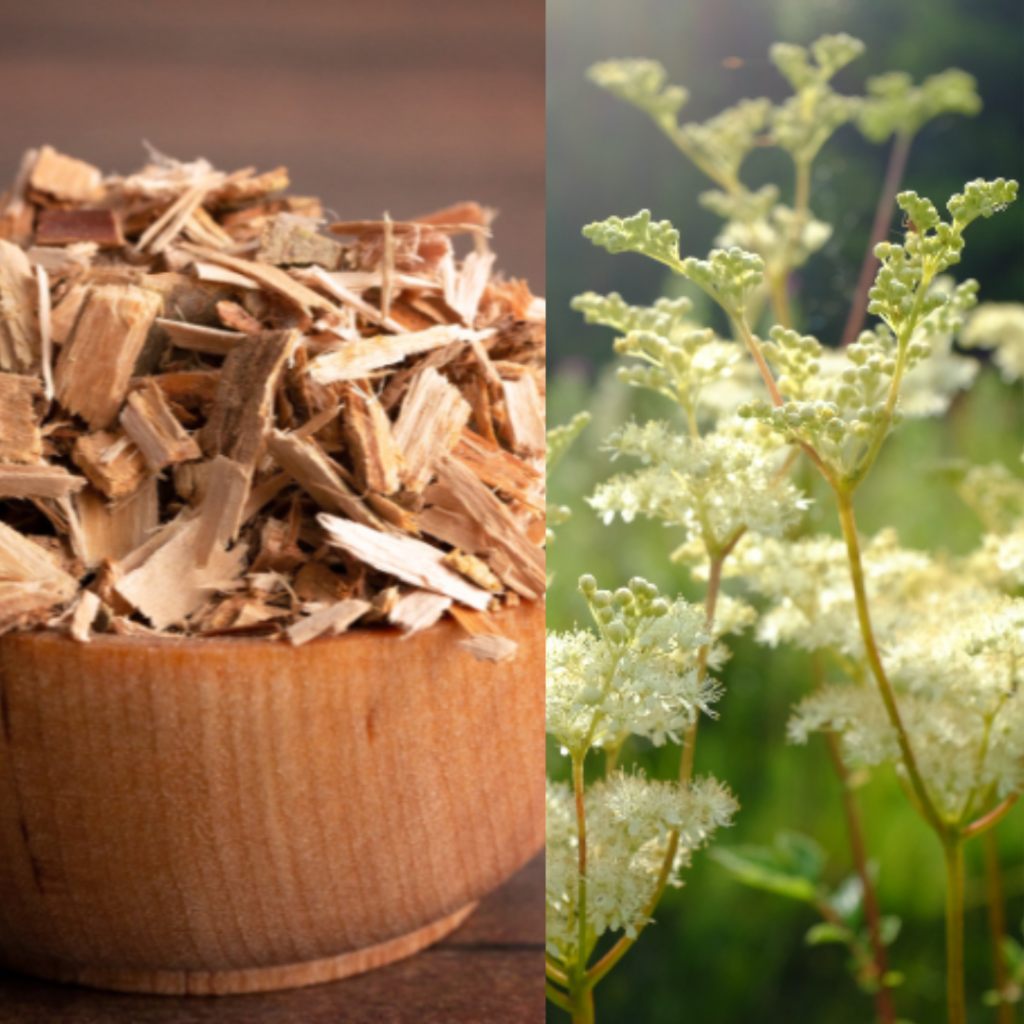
point(657, 239)
point(796, 359)
point(642, 83)
point(728, 275)
point(613, 311)
point(724, 141)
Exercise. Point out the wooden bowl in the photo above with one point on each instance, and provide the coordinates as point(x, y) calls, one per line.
point(227, 816)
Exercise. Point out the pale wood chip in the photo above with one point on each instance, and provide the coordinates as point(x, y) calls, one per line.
point(19, 330)
point(17, 214)
point(112, 531)
point(244, 189)
point(64, 178)
point(473, 569)
point(167, 227)
point(330, 621)
point(221, 275)
point(21, 603)
point(270, 277)
point(431, 420)
point(149, 422)
point(24, 561)
point(63, 261)
point(333, 285)
point(38, 482)
point(20, 439)
point(195, 338)
point(454, 528)
point(481, 505)
point(314, 472)
point(83, 616)
point(407, 559)
point(95, 365)
point(236, 318)
point(501, 470)
point(418, 610)
point(488, 647)
point(170, 585)
point(220, 514)
point(45, 331)
point(111, 461)
point(525, 415)
point(64, 315)
point(356, 359)
point(242, 408)
point(374, 451)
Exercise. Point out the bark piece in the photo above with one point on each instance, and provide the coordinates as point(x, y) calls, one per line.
point(358, 359)
point(38, 482)
point(418, 610)
point(111, 461)
point(375, 454)
point(169, 586)
point(149, 422)
point(19, 331)
point(407, 559)
point(489, 647)
point(241, 410)
point(431, 420)
point(287, 240)
point(314, 472)
point(16, 212)
point(330, 621)
point(65, 227)
point(20, 440)
point(95, 365)
point(64, 178)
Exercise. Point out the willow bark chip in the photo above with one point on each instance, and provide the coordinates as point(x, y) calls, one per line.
point(217, 420)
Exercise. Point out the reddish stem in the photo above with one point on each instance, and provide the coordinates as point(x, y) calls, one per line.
point(883, 218)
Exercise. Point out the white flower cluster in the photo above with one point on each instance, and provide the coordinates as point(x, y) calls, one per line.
point(628, 820)
point(712, 486)
point(1000, 326)
point(954, 652)
point(637, 675)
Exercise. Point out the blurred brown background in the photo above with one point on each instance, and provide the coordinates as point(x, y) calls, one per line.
point(392, 105)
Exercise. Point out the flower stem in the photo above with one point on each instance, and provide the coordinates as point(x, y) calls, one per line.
point(996, 921)
point(976, 828)
point(883, 996)
point(848, 523)
point(956, 1005)
point(559, 998)
point(883, 217)
point(583, 1013)
point(581, 902)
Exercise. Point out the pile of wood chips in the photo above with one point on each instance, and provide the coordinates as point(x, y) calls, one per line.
point(216, 420)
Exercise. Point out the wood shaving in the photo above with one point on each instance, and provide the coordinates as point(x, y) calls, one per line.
point(220, 416)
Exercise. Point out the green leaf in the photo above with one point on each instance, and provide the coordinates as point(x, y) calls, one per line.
point(826, 932)
point(760, 868)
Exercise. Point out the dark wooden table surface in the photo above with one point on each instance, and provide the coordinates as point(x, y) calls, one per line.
point(489, 971)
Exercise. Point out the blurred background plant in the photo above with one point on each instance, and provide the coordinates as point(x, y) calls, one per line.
point(720, 951)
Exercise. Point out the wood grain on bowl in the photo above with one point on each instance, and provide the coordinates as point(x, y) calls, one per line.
point(232, 815)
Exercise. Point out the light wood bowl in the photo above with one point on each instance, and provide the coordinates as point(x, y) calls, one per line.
point(227, 816)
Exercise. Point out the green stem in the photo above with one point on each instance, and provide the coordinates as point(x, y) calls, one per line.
point(844, 499)
point(956, 1005)
point(996, 921)
point(883, 996)
point(583, 1011)
point(560, 999)
point(581, 901)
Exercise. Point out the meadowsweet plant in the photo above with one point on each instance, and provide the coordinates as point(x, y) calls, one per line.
point(915, 659)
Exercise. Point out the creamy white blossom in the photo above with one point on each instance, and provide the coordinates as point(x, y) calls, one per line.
point(712, 486)
point(629, 819)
